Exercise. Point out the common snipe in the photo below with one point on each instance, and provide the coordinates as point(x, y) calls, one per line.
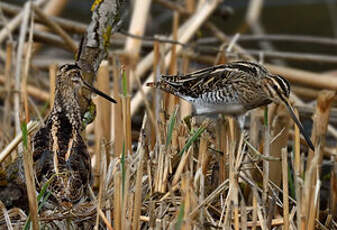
point(58, 148)
point(231, 89)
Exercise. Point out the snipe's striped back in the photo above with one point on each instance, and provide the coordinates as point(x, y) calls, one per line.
point(231, 89)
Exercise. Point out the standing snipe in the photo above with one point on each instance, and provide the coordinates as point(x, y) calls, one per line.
point(231, 89)
point(58, 148)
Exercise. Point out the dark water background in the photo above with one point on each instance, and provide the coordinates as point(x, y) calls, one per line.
point(296, 17)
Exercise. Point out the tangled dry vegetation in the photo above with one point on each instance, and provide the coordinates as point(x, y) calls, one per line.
point(170, 170)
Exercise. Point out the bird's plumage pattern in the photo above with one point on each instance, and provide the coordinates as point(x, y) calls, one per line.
point(58, 148)
point(231, 89)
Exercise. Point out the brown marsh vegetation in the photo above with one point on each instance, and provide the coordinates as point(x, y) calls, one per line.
point(153, 165)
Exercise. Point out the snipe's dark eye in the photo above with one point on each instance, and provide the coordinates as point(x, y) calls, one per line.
point(76, 79)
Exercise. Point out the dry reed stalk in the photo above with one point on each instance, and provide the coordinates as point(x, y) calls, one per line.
point(169, 99)
point(232, 175)
point(190, 200)
point(8, 85)
point(254, 222)
point(279, 134)
point(126, 110)
point(190, 6)
point(56, 28)
point(30, 184)
point(333, 192)
point(52, 83)
point(285, 188)
point(185, 107)
point(15, 22)
point(321, 118)
point(138, 190)
point(101, 181)
point(26, 70)
point(203, 161)
point(18, 70)
point(266, 153)
point(117, 204)
point(155, 70)
point(185, 33)
point(209, 198)
point(147, 104)
point(6, 216)
point(137, 27)
point(275, 222)
point(159, 185)
point(102, 121)
point(305, 92)
point(263, 224)
point(105, 220)
point(222, 140)
point(323, 81)
point(181, 165)
point(126, 199)
point(117, 120)
point(243, 212)
point(31, 126)
point(33, 91)
point(297, 170)
point(308, 193)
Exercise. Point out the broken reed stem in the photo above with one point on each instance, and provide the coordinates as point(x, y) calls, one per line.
point(285, 189)
point(52, 84)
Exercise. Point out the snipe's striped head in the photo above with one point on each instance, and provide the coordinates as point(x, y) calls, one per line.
point(278, 89)
point(69, 77)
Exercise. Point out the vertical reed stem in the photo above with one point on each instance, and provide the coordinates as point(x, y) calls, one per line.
point(285, 189)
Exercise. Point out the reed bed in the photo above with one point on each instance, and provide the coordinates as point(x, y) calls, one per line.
point(169, 170)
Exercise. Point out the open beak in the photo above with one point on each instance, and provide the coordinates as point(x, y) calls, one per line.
point(100, 93)
point(298, 123)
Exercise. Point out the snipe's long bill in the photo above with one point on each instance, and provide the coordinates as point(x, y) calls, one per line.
point(98, 92)
point(230, 89)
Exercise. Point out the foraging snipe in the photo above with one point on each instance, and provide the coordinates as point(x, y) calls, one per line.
point(231, 89)
point(59, 152)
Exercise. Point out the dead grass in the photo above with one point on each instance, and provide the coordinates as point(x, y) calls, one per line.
point(188, 173)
